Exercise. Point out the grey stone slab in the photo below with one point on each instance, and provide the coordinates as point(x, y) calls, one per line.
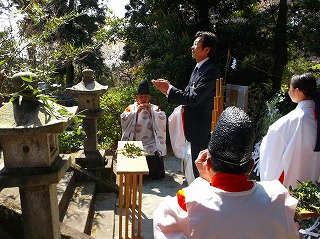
point(79, 211)
point(103, 219)
point(70, 233)
point(65, 190)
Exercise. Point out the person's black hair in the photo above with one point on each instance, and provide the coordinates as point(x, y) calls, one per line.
point(208, 39)
point(306, 83)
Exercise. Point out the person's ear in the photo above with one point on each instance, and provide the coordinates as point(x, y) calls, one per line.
point(207, 49)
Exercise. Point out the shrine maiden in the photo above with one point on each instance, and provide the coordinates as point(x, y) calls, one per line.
point(290, 150)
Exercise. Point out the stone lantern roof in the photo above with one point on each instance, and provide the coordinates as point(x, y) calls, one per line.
point(32, 118)
point(88, 85)
point(29, 115)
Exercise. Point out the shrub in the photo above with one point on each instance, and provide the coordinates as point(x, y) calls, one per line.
point(109, 126)
point(72, 139)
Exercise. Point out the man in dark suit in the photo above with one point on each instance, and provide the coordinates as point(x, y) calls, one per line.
point(198, 95)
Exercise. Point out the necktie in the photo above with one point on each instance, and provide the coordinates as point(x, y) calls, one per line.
point(192, 78)
point(195, 70)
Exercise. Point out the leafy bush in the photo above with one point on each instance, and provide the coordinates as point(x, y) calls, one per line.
point(109, 126)
point(308, 195)
point(72, 139)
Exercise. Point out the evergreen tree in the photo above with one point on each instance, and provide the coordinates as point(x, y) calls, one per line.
point(67, 30)
point(160, 33)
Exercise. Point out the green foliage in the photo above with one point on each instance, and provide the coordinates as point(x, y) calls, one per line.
point(308, 195)
point(114, 103)
point(60, 38)
point(131, 151)
point(161, 41)
point(316, 69)
point(301, 65)
point(72, 139)
point(264, 111)
point(29, 93)
point(304, 25)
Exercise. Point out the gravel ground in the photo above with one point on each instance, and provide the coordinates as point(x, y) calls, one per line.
point(154, 191)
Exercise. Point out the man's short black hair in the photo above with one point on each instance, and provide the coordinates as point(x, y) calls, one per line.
point(209, 39)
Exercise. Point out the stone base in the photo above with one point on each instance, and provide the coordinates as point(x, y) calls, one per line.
point(91, 159)
point(31, 177)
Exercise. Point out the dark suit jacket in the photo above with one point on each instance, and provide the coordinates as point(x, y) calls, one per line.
point(198, 100)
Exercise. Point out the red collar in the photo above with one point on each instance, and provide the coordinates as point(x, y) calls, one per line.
point(224, 181)
point(231, 182)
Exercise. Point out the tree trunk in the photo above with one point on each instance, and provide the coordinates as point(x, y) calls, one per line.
point(69, 74)
point(280, 47)
point(203, 15)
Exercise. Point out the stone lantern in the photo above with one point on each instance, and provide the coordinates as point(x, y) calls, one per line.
point(29, 138)
point(88, 92)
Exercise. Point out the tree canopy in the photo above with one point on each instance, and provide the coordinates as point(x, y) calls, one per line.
point(267, 41)
point(56, 39)
point(257, 33)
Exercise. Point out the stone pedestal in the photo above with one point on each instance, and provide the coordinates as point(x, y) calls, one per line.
point(38, 196)
point(44, 198)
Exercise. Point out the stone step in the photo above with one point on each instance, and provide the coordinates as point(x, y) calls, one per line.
point(80, 209)
point(65, 190)
point(104, 215)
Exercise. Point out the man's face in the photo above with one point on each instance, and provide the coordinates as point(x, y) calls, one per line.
point(198, 52)
point(143, 99)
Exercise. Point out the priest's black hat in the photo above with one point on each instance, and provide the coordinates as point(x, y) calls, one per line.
point(232, 139)
point(143, 88)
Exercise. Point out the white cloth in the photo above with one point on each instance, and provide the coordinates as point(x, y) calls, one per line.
point(266, 211)
point(149, 128)
point(288, 146)
point(180, 146)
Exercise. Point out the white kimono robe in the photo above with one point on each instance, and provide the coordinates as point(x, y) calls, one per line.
point(266, 211)
point(149, 128)
point(180, 146)
point(288, 147)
